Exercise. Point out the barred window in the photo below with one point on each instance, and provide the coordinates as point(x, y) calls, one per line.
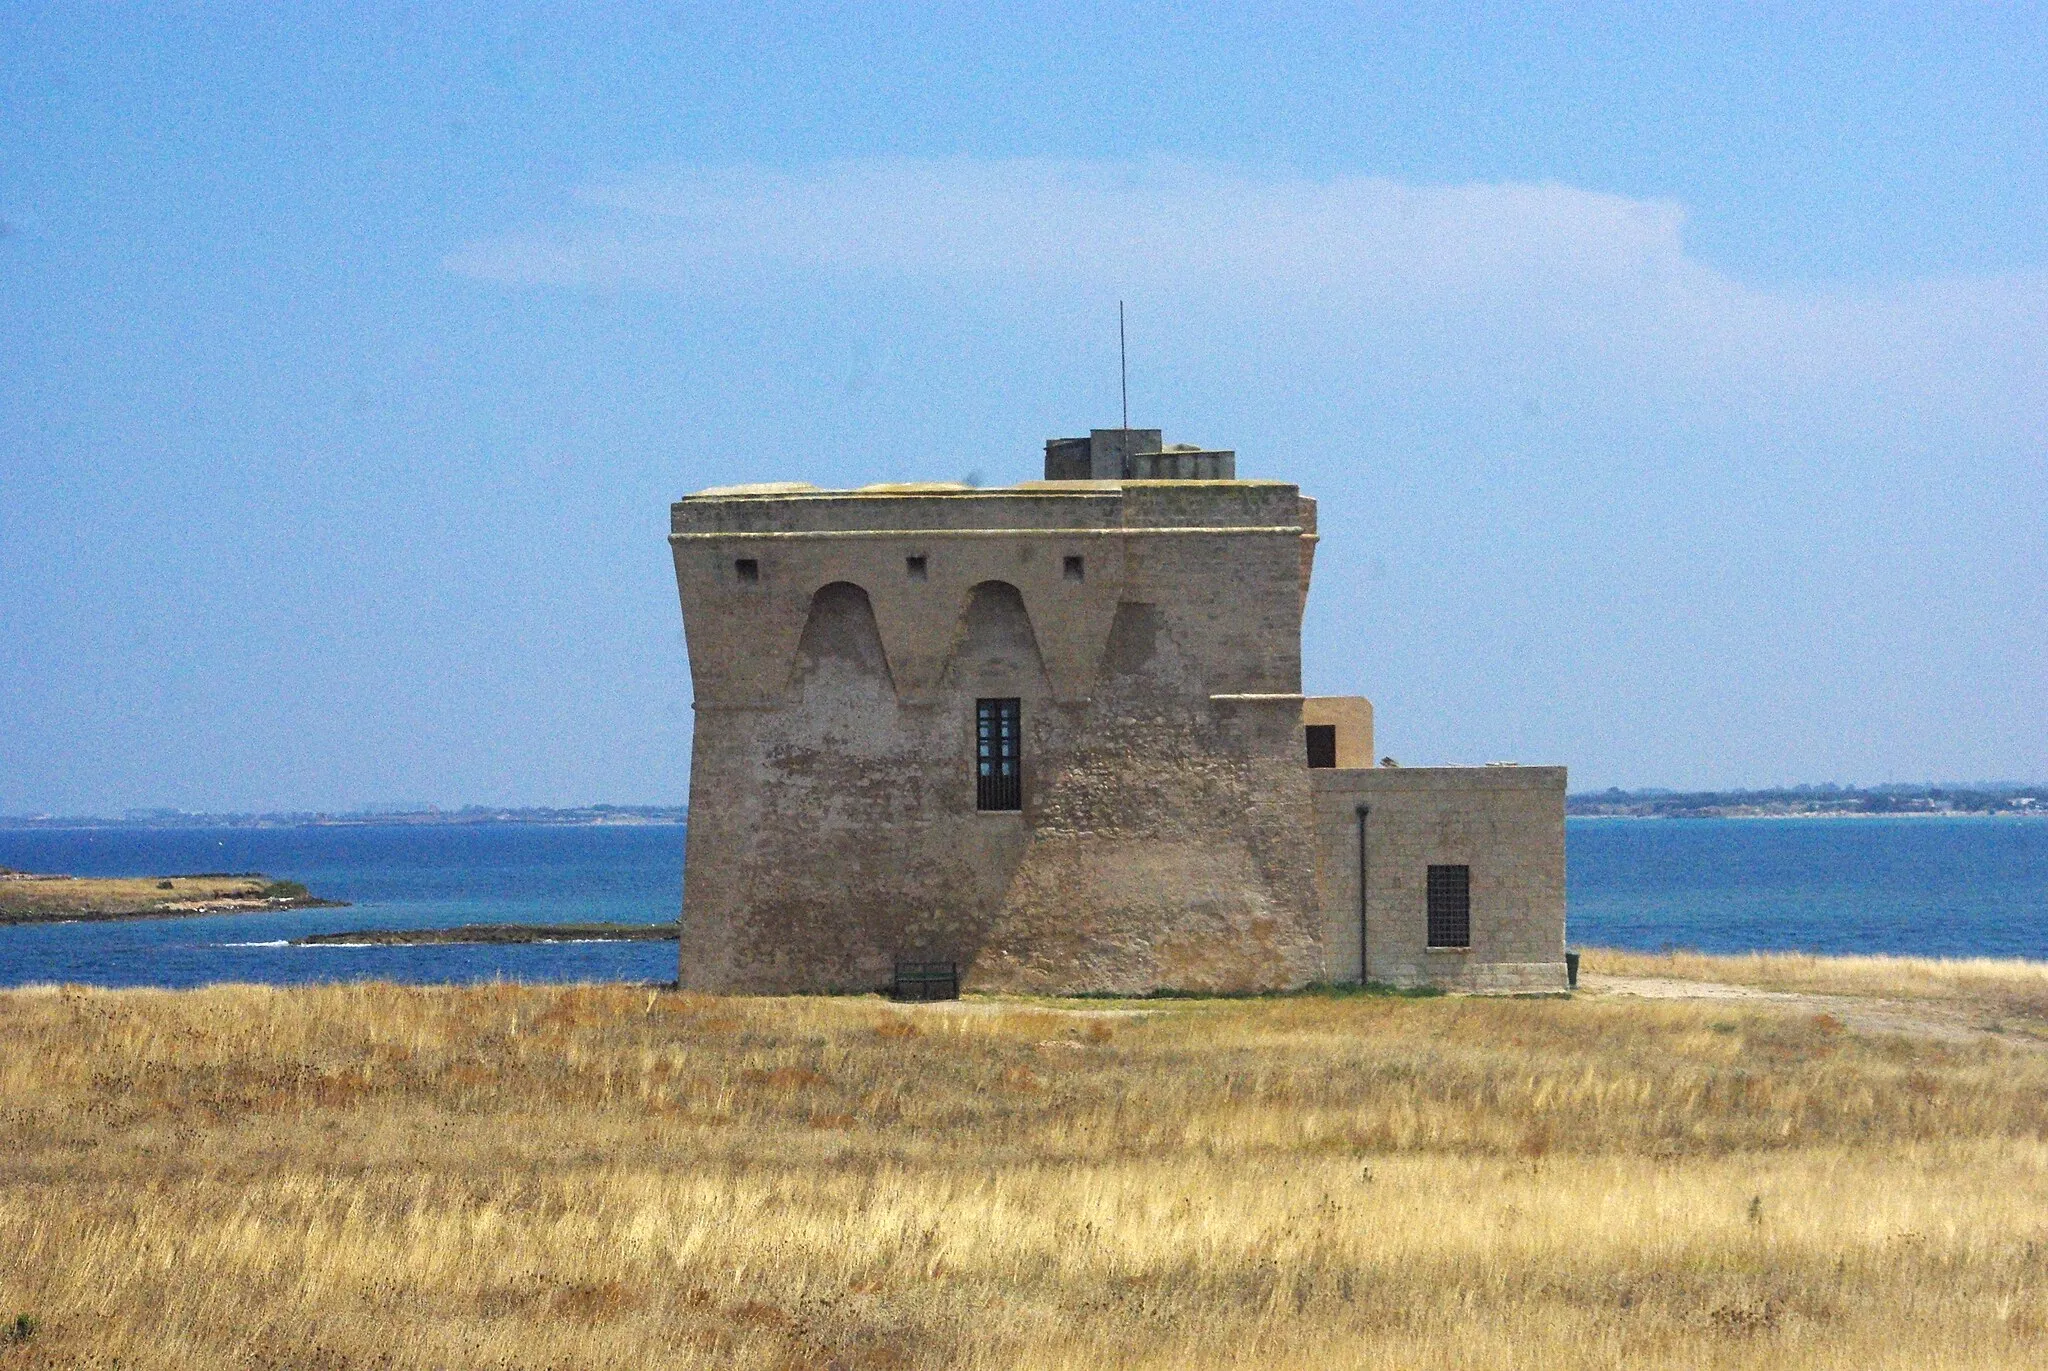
point(1450, 906)
point(998, 755)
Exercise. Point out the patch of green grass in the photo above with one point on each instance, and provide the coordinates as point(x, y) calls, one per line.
point(1347, 991)
point(1324, 990)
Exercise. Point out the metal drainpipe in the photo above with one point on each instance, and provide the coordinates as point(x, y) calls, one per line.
point(1363, 869)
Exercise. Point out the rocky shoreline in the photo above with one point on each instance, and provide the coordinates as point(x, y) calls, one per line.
point(493, 934)
point(29, 897)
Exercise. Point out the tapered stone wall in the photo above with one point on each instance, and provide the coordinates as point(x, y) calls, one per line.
point(838, 644)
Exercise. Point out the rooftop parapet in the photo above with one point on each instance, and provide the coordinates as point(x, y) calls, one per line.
point(1104, 506)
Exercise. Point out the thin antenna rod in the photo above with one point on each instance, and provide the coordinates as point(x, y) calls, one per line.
point(1123, 364)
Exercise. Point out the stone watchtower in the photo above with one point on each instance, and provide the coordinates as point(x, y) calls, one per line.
point(1054, 734)
point(1051, 733)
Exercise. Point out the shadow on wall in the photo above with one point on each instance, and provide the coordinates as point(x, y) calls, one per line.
point(840, 639)
point(865, 792)
point(995, 649)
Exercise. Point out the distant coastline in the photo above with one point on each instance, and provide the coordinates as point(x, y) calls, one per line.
point(1891, 801)
point(2008, 799)
point(582, 815)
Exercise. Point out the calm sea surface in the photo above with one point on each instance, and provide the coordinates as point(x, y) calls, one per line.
point(1941, 887)
point(1966, 887)
point(395, 877)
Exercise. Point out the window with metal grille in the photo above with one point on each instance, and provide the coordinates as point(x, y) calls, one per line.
point(998, 755)
point(1450, 906)
point(1322, 744)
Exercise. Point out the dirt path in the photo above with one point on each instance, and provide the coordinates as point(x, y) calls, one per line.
point(1959, 1022)
point(1943, 1022)
point(1021, 1006)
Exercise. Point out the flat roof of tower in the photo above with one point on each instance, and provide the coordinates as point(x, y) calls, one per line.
point(784, 490)
point(1104, 461)
point(798, 507)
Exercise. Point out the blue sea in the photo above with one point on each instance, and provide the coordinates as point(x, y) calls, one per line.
point(394, 876)
point(1919, 886)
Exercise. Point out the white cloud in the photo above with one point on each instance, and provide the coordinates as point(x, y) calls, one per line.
point(1055, 221)
point(1540, 268)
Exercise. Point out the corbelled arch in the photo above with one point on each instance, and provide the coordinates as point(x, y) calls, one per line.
point(840, 639)
point(995, 647)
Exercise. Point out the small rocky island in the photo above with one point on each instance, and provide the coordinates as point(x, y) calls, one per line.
point(496, 934)
point(26, 897)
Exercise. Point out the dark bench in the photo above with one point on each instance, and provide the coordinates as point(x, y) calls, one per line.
point(926, 981)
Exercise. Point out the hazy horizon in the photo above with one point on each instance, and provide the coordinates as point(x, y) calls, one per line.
point(143, 813)
point(1675, 390)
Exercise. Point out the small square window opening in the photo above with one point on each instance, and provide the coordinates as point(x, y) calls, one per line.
point(915, 568)
point(1076, 569)
point(1322, 745)
point(1450, 906)
point(746, 571)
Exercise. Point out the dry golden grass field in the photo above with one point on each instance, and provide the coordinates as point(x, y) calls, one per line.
point(517, 1176)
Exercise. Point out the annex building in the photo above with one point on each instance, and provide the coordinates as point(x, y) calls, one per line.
point(1053, 736)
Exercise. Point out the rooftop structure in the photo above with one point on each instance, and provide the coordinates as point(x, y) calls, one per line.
point(1134, 454)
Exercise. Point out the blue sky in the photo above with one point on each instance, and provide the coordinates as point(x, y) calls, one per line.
point(1676, 390)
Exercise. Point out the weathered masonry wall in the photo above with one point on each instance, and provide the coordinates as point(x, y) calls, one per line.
point(838, 642)
point(1505, 822)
